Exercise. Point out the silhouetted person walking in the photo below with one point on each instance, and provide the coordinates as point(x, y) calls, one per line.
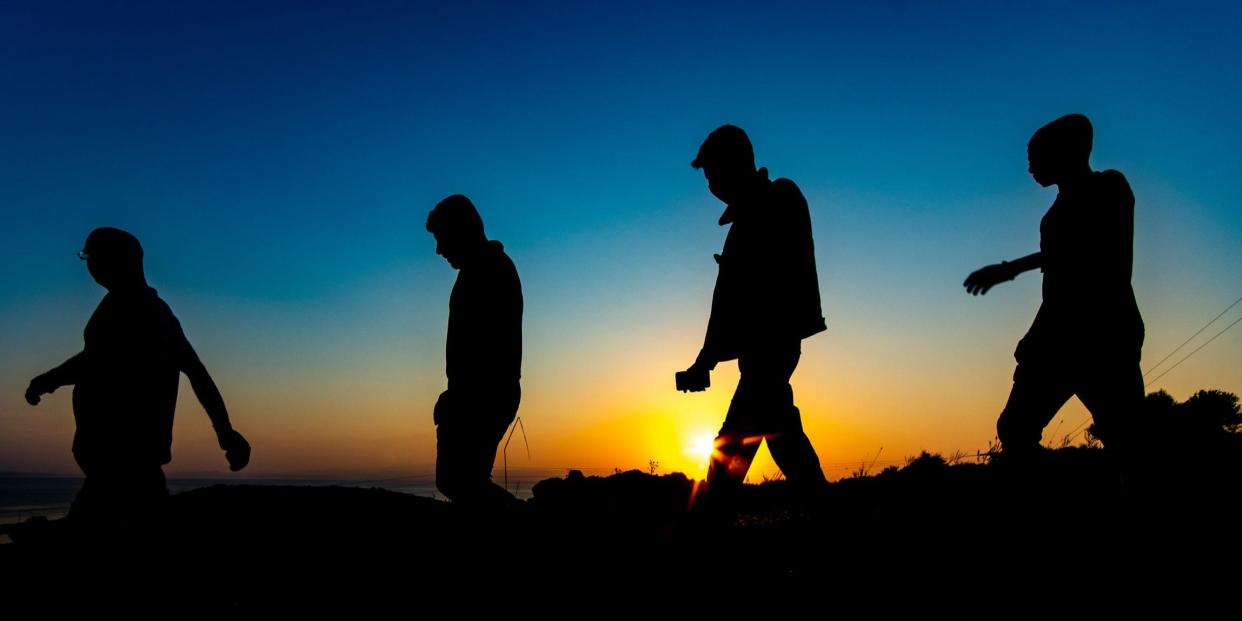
point(1088, 334)
point(125, 383)
point(766, 301)
point(483, 355)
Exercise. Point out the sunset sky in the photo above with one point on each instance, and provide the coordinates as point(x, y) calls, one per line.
point(278, 160)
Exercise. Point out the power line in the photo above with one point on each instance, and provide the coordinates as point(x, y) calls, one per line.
point(1192, 337)
point(1205, 344)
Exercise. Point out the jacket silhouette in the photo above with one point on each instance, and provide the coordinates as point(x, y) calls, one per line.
point(765, 302)
point(484, 345)
point(767, 289)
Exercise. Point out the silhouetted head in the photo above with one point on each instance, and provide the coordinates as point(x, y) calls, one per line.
point(114, 258)
point(457, 227)
point(728, 162)
point(1060, 150)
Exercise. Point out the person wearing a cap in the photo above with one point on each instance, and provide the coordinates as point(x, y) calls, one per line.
point(483, 356)
point(125, 383)
point(765, 302)
point(1087, 337)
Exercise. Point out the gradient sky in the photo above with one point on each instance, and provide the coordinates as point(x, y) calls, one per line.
point(278, 161)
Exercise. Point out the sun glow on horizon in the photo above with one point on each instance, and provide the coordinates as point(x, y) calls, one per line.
point(701, 447)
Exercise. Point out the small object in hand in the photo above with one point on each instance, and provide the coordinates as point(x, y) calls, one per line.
point(693, 380)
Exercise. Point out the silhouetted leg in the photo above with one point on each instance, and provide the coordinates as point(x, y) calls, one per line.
point(120, 502)
point(1114, 396)
point(730, 462)
point(735, 447)
point(781, 421)
point(466, 441)
point(464, 460)
point(763, 407)
point(1113, 393)
point(1038, 393)
point(792, 451)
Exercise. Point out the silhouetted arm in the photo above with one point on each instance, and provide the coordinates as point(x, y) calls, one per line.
point(983, 279)
point(66, 374)
point(709, 355)
point(235, 447)
point(206, 391)
point(697, 378)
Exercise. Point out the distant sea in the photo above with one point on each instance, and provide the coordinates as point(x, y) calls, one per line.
point(23, 496)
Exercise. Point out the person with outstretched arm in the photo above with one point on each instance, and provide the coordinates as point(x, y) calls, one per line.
point(125, 383)
point(1087, 337)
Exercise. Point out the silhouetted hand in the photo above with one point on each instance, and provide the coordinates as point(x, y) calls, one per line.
point(981, 280)
point(39, 386)
point(695, 379)
point(236, 449)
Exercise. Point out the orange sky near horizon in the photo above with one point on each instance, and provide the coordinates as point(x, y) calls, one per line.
point(312, 419)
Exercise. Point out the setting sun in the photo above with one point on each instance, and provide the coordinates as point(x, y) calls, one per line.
point(701, 447)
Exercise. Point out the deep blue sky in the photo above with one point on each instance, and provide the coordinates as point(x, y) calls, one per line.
point(278, 161)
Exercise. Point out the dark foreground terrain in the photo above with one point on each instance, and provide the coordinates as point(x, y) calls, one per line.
point(1069, 524)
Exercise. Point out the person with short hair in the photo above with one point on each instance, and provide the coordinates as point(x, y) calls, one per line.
point(483, 356)
point(766, 301)
point(1087, 337)
point(125, 383)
